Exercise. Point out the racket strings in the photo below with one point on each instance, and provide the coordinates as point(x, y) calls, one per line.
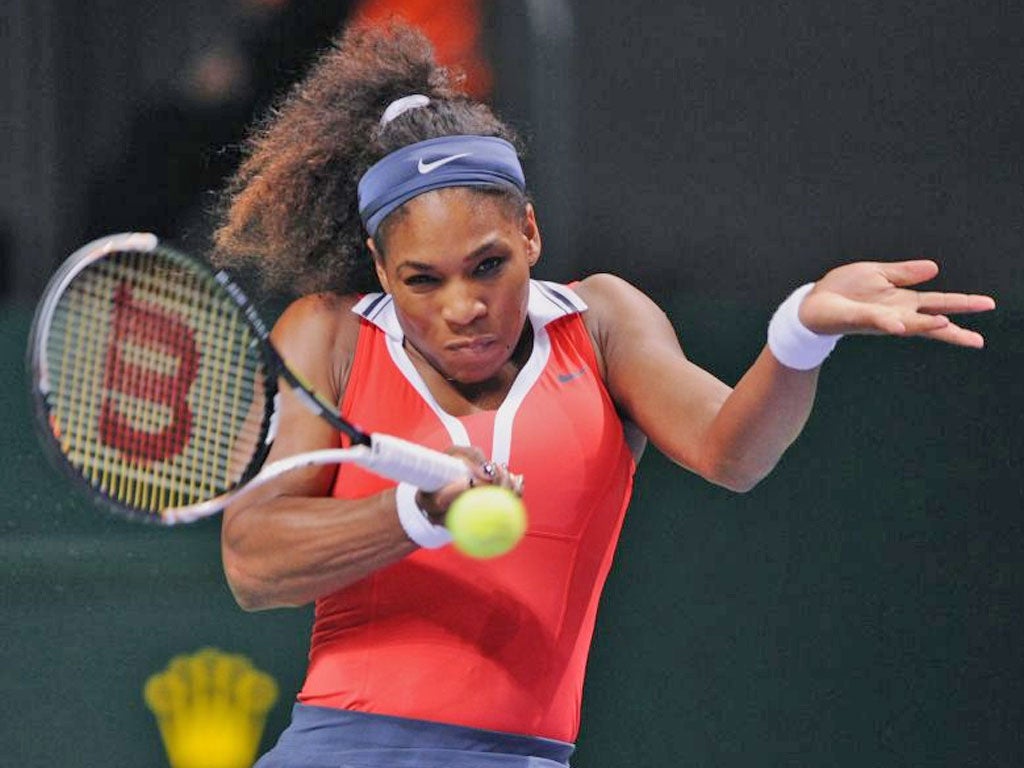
point(158, 395)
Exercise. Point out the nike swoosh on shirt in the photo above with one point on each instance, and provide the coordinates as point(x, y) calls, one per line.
point(567, 377)
point(428, 167)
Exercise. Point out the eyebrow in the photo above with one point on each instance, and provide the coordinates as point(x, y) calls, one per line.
point(420, 266)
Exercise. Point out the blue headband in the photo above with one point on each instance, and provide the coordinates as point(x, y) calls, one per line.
point(450, 161)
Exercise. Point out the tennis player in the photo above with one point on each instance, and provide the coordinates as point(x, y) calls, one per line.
point(399, 209)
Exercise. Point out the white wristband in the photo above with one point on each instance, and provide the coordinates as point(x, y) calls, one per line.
point(415, 522)
point(792, 343)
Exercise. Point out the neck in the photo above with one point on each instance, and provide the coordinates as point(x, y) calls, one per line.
point(484, 395)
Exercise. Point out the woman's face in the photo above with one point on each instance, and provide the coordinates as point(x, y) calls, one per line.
point(458, 267)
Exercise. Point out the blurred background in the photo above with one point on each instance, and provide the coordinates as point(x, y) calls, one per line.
point(862, 606)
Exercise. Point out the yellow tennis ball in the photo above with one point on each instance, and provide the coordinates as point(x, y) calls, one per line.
point(487, 521)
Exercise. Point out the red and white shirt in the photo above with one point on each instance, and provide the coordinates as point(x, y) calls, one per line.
point(497, 644)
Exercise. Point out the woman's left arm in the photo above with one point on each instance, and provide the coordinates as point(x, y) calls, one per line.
point(735, 436)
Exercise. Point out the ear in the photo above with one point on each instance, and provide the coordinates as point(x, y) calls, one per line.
point(532, 234)
point(378, 264)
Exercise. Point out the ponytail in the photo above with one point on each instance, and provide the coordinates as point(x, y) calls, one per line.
point(291, 209)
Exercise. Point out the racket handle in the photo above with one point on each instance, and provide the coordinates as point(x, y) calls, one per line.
point(408, 462)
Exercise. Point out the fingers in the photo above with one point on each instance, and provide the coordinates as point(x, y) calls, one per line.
point(500, 474)
point(482, 471)
point(938, 327)
point(906, 273)
point(954, 334)
point(894, 321)
point(842, 315)
point(912, 272)
point(472, 455)
point(931, 321)
point(882, 319)
point(920, 324)
point(880, 298)
point(953, 303)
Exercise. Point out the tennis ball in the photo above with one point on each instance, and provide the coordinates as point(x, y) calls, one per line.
point(486, 521)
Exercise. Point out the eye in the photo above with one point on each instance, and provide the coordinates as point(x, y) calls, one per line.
point(489, 265)
point(420, 280)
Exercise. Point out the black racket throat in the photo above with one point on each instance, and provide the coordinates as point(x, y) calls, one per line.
point(318, 405)
point(278, 368)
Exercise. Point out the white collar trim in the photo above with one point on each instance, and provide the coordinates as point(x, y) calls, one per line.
point(548, 301)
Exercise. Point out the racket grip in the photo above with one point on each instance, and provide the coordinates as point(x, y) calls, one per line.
point(408, 462)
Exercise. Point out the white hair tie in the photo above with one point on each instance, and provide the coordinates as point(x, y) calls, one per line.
point(401, 106)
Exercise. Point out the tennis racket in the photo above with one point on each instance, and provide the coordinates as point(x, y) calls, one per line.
point(155, 386)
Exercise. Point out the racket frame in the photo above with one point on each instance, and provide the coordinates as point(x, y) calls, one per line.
point(39, 369)
point(384, 454)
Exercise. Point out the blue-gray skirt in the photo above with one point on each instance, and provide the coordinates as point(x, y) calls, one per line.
point(321, 737)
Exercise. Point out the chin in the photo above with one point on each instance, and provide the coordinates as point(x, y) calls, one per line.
point(478, 372)
point(469, 368)
point(471, 376)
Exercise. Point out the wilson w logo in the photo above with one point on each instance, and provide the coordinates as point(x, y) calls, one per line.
point(151, 363)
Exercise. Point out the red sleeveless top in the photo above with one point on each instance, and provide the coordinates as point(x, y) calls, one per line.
point(497, 644)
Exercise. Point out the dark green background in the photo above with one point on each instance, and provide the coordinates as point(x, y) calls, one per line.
point(862, 606)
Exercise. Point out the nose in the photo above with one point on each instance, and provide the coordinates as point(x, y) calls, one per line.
point(462, 305)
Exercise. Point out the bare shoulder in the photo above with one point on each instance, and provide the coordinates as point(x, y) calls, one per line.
point(619, 314)
point(608, 293)
point(600, 284)
point(316, 335)
point(317, 314)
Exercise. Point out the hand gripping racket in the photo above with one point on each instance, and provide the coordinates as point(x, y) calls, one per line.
point(155, 386)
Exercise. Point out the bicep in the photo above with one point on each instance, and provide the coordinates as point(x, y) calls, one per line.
point(649, 377)
point(307, 337)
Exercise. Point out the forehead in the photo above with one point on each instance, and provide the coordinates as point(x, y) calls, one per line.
point(448, 213)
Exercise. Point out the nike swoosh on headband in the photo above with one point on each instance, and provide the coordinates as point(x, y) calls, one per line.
point(428, 167)
point(470, 160)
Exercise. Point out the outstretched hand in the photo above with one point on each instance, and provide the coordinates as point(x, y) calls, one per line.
point(877, 298)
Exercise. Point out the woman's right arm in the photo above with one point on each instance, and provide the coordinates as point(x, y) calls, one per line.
point(289, 542)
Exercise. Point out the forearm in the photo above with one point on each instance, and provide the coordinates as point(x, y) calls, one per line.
point(757, 422)
point(287, 551)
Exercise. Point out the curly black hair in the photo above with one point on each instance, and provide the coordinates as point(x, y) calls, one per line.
point(291, 209)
